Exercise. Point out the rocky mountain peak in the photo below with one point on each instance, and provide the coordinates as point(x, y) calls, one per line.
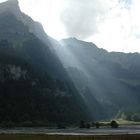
point(11, 6)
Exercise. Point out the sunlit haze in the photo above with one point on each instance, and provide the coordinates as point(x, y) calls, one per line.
point(111, 24)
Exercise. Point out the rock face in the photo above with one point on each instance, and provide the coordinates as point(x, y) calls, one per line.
point(34, 86)
point(10, 6)
point(12, 72)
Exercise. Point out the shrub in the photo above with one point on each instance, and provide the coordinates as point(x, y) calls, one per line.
point(97, 125)
point(114, 124)
point(82, 124)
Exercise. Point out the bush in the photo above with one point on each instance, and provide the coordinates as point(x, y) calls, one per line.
point(88, 125)
point(82, 124)
point(97, 125)
point(114, 124)
point(61, 126)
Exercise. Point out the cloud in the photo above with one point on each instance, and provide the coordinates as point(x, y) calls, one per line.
point(111, 24)
point(126, 3)
point(83, 17)
point(2, 1)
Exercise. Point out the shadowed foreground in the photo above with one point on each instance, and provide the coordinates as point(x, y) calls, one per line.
point(61, 137)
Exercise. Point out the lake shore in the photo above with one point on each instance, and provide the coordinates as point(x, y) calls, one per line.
point(122, 130)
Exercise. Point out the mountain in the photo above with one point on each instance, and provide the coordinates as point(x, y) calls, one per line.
point(112, 79)
point(45, 82)
point(35, 88)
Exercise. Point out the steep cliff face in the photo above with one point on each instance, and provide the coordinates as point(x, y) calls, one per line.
point(34, 86)
point(11, 7)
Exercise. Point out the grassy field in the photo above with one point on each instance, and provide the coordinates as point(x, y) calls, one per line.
point(58, 137)
point(125, 122)
point(121, 122)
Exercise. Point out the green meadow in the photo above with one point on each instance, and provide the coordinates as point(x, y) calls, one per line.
point(61, 137)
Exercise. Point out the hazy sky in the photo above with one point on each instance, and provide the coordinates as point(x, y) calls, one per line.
point(110, 24)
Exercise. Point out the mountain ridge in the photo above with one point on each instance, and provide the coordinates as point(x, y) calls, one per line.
point(112, 77)
point(41, 88)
